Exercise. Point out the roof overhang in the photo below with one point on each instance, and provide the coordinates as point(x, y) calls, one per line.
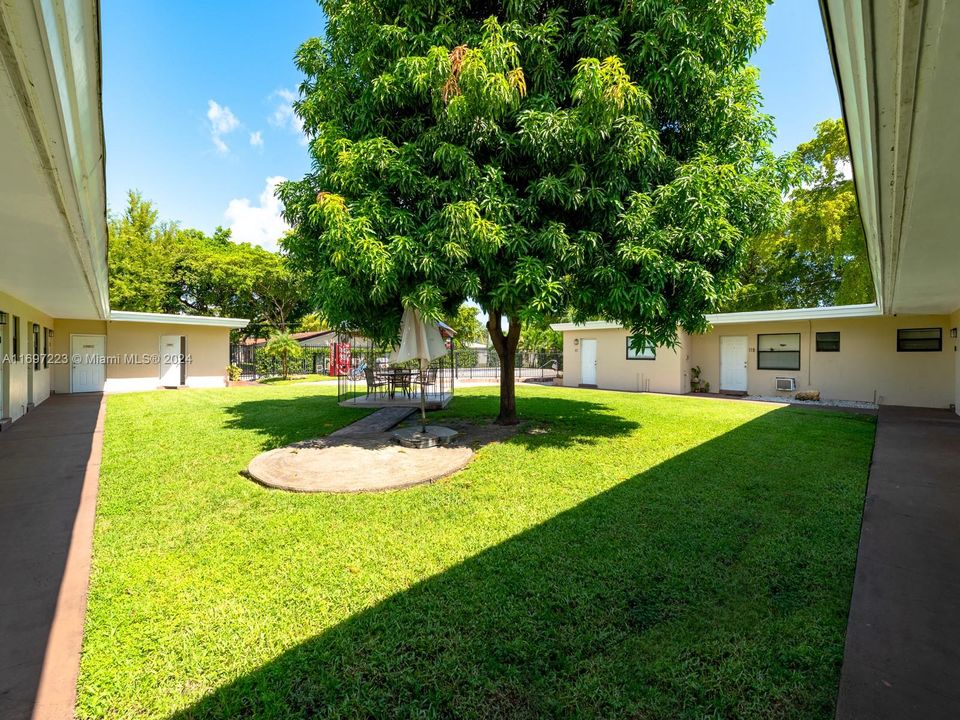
point(53, 247)
point(897, 65)
point(162, 318)
point(818, 313)
point(589, 325)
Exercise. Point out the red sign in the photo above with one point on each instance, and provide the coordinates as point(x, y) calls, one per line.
point(339, 359)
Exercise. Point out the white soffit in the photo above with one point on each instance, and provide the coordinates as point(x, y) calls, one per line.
point(898, 67)
point(52, 188)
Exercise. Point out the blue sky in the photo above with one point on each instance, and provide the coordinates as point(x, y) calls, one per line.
point(197, 96)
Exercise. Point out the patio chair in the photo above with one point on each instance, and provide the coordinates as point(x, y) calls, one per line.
point(427, 378)
point(374, 382)
point(402, 380)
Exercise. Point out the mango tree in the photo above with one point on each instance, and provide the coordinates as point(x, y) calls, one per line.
point(604, 159)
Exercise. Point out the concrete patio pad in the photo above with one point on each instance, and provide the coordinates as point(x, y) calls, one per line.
point(49, 469)
point(902, 654)
point(364, 457)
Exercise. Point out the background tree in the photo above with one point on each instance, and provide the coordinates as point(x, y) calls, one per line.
point(284, 348)
point(535, 156)
point(313, 322)
point(157, 266)
point(818, 256)
point(467, 326)
point(281, 295)
point(540, 337)
point(144, 255)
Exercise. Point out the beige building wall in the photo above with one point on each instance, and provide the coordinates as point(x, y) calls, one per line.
point(133, 351)
point(63, 331)
point(867, 367)
point(22, 384)
point(208, 354)
point(667, 373)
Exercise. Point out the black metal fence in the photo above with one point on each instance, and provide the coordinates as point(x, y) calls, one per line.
point(484, 364)
point(255, 364)
point(469, 363)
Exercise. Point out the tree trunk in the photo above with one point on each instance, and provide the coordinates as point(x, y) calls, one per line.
point(506, 347)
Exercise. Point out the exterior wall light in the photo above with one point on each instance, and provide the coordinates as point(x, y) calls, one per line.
point(3, 318)
point(953, 332)
point(36, 329)
point(576, 341)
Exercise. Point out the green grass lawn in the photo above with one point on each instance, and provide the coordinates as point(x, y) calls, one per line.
point(294, 379)
point(623, 556)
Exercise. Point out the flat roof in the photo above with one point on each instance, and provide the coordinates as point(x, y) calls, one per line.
point(168, 319)
point(837, 311)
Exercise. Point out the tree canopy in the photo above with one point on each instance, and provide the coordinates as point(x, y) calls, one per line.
point(818, 255)
point(539, 336)
point(606, 158)
point(157, 266)
point(467, 325)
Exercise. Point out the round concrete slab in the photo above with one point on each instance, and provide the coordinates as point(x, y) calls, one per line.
point(355, 465)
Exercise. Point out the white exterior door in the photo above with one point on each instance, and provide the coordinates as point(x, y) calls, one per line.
point(733, 363)
point(87, 363)
point(588, 362)
point(171, 359)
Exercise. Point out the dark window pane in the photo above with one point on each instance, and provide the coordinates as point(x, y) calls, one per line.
point(920, 340)
point(828, 342)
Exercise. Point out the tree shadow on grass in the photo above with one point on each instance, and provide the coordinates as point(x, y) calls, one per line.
point(546, 421)
point(715, 584)
point(282, 421)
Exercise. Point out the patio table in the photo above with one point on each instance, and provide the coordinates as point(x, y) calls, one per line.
point(397, 378)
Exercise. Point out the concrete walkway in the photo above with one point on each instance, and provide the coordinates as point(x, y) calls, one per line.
point(49, 468)
point(902, 654)
point(379, 422)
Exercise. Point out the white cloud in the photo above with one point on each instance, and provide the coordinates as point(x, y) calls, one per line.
point(222, 122)
point(283, 115)
point(260, 225)
point(256, 139)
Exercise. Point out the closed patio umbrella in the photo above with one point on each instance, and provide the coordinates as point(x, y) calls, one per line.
point(421, 341)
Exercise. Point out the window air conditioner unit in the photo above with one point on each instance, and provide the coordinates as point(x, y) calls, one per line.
point(784, 383)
